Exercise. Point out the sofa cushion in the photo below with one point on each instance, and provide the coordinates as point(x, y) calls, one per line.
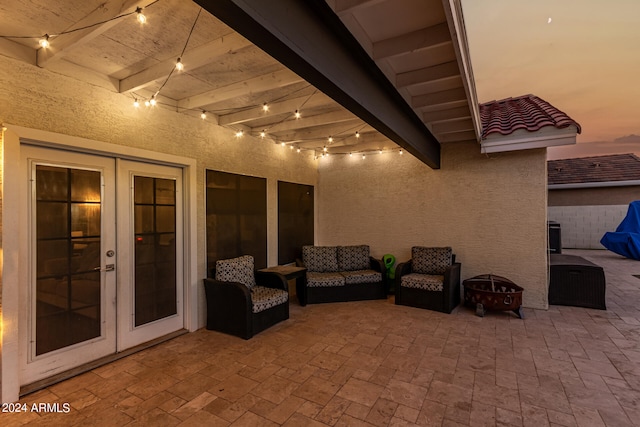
point(427, 282)
point(352, 258)
point(323, 280)
point(264, 298)
point(236, 270)
point(430, 260)
point(361, 276)
point(320, 258)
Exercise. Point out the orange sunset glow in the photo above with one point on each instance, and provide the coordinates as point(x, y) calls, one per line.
point(582, 56)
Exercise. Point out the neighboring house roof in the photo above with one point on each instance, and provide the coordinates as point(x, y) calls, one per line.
point(526, 112)
point(615, 168)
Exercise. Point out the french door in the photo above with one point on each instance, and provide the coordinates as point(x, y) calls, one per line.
point(103, 258)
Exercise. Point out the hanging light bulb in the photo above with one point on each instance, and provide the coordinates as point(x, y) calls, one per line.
point(350, 154)
point(291, 147)
point(179, 65)
point(330, 139)
point(265, 107)
point(147, 103)
point(239, 133)
point(363, 156)
point(140, 16)
point(325, 149)
point(152, 101)
point(282, 144)
point(297, 114)
point(357, 134)
point(380, 151)
point(401, 152)
point(298, 150)
point(263, 134)
point(136, 103)
point(203, 115)
point(44, 41)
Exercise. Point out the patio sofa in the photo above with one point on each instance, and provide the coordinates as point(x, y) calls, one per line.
point(340, 273)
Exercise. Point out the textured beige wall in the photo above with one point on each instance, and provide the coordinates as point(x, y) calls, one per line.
point(35, 98)
point(491, 210)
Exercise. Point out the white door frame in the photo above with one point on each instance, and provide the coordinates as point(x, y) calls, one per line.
point(14, 227)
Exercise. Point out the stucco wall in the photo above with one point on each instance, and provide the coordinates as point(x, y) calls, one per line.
point(490, 209)
point(34, 98)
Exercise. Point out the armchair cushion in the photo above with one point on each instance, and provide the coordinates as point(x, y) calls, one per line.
point(427, 282)
point(236, 270)
point(361, 276)
point(432, 261)
point(317, 280)
point(352, 258)
point(320, 258)
point(263, 298)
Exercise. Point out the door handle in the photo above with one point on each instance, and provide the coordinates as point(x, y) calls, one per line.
point(108, 267)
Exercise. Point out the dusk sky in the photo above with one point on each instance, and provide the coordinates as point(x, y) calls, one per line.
point(582, 56)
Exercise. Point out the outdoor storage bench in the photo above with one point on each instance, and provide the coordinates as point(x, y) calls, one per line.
point(341, 273)
point(577, 282)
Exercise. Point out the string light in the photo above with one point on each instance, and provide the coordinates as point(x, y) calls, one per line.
point(330, 140)
point(44, 41)
point(265, 107)
point(140, 16)
point(136, 103)
point(380, 151)
point(203, 115)
point(298, 150)
point(239, 133)
point(282, 144)
point(179, 65)
point(291, 147)
point(263, 134)
point(152, 101)
point(350, 154)
point(363, 156)
point(357, 134)
point(297, 114)
point(325, 149)
point(401, 152)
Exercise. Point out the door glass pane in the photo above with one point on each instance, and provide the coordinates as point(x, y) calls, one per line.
point(155, 250)
point(68, 293)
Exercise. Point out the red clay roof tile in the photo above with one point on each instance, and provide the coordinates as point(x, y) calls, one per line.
point(615, 167)
point(525, 112)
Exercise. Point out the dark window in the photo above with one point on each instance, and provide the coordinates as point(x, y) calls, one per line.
point(236, 218)
point(295, 220)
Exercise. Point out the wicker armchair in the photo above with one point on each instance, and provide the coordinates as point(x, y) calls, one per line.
point(431, 280)
point(242, 301)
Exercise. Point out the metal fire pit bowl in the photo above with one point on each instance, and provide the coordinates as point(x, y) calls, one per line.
point(493, 293)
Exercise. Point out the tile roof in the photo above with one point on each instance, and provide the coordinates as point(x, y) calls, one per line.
point(615, 167)
point(525, 112)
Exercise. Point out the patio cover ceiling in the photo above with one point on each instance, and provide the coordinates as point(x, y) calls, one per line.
point(397, 72)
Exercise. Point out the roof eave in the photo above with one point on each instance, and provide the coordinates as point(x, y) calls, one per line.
point(524, 140)
point(601, 184)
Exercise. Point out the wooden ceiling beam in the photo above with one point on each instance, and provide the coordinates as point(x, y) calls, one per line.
point(347, 6)
point(318, 99)
point(307, 122)
point(60, 45)
point(192, 59)
point(321, 132)
point(428, 74)
point(448, 114)
point(421, 39)
point(439, 98)
point(256, 84)
point(451, 126)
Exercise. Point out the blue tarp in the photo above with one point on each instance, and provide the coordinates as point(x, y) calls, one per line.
point(626, 239)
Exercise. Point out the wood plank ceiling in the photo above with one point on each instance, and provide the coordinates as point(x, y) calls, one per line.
point(419, 45)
